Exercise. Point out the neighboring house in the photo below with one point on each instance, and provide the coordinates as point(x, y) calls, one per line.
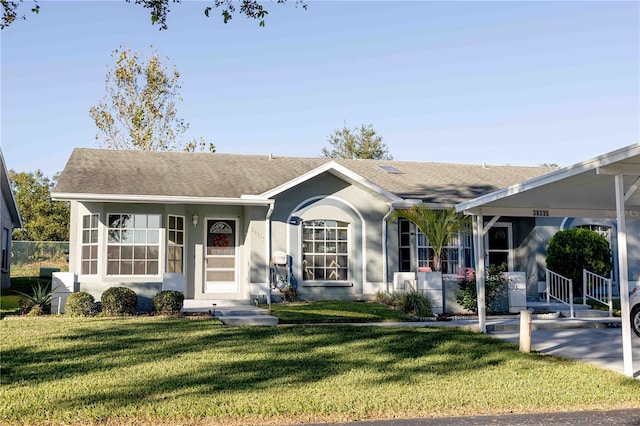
point(9, 219)
point(218, 218)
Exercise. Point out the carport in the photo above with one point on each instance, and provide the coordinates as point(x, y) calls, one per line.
point(603, 187)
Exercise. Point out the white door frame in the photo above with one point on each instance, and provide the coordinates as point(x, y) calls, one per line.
point(509, 226)
point(221, 287)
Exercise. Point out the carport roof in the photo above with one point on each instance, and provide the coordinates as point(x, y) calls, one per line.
point(585, 189)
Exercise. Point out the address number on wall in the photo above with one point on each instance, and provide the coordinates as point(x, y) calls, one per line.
point(541, 213)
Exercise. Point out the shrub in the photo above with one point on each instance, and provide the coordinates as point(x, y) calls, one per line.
point(35, 310)
point(576, 249)
point(290, 293)
point(384, 298)
point(80, 304)
point(168, 302)
point(467, 295)
point(414, 303)
point(119, 301)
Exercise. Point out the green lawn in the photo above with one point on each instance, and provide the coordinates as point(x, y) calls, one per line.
point(333, 311)
point(149, 370)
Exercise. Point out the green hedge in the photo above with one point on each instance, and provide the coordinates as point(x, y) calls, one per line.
point(119, 301)
point(80, 304)
point(168, 302)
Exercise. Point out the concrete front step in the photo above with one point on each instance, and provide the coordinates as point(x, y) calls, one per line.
point(193, 305)
point(239, 311)
point(231, 312)
point(554, 307)
point(239, 320)
point(579, 310)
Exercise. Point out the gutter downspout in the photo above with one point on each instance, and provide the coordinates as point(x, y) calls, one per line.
point(268, 250)
point(385, 257)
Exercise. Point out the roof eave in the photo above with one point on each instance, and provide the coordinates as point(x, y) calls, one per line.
point(160, 199)
point(545, 179)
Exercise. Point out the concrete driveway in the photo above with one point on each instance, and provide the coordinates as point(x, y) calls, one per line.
point(598, 346)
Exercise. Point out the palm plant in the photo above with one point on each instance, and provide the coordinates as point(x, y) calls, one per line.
point(439, 226)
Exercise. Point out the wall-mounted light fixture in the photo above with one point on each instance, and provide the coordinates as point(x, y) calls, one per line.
point(194, 219)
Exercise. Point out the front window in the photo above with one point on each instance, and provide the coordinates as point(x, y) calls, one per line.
point(456, 254)
point(325, 250)
point(5, 249)
point(175, 243)
point(404, 247)
point(89, 244)
point(133, 244)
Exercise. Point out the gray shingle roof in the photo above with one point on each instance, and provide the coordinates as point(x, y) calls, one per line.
point(152, 173)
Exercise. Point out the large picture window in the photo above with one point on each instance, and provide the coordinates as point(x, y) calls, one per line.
point(89, 244)
point(325, 250)
point(175, 244)
point(133, 245)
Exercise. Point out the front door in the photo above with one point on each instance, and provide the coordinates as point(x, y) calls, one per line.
point(221, 256)
point(499, 245)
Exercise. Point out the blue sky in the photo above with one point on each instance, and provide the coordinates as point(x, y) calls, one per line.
point(507, 82)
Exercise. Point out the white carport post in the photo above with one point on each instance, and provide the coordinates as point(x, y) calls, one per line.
point(482, 313)
point(627, 353)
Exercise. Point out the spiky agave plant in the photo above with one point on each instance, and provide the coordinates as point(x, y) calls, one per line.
point(41, 295)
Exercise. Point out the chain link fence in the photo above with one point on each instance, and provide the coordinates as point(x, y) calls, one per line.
point(27, 257)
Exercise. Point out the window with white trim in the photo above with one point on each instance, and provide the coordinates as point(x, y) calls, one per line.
point(133, 244)
point(325, 250)
point(175, 243)
point(454, 255)
point(404, 244)
point(89, 250)
point(5, 249)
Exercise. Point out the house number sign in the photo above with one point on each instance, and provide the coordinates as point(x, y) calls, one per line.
point(540, 213)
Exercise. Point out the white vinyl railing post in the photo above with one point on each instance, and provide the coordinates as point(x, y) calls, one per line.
point(548, 285)
point(584, 286)
point(610, 293)
point(571, 297)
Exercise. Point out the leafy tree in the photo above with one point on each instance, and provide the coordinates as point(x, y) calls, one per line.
point(10, 11)
point(573, 250)
point(139, 109)
point(438, 226)
point(44, 219)
point(356, 143)
point(159, 10)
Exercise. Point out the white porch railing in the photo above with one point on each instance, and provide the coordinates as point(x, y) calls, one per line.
point(598, 288)
point(560, 289)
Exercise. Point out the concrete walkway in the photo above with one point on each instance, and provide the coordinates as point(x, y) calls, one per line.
point(597, 341)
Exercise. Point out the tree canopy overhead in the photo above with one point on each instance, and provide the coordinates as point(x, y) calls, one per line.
point(159, 10)
point(357, 143)
point(139, 109)
point(43, 218)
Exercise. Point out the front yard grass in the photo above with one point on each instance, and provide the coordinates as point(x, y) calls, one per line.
point(336, 311)
point(151, 370)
